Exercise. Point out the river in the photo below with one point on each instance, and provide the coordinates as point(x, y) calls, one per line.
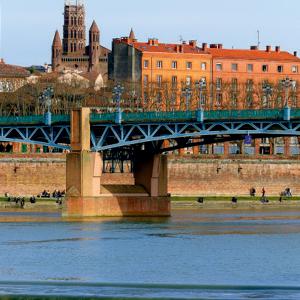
point(193, 255)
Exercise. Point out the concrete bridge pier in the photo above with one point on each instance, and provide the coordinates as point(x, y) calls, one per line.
point(86, 198)
point(151, 172)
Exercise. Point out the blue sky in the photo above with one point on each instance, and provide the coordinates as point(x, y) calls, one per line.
point(28, 26)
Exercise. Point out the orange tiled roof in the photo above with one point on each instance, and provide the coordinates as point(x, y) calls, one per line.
point(252, 54)
point(167, 48)
point(12, 71)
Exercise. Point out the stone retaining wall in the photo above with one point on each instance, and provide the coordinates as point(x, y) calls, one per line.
point(31, 174)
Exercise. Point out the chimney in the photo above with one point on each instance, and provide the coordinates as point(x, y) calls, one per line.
point(213, 46)
point(295, 53)
point(153, 42)
point(181, 48)
point(268, 48)
point(193, 43)
point(220, 46)
point(183, 42)
point(277, 49)
point(2, 61)
point(204, 46)
point(253, 48)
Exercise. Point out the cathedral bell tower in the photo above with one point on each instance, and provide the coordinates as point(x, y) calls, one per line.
point(74, 36)
point(94, 48)
point(56, 51)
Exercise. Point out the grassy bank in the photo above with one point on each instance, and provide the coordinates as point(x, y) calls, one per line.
point(225, 198)
point(3, 199)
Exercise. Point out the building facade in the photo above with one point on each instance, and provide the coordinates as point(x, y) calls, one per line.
point(231, 78)
point(217, 78)
point(253, 75)
point(72, 52)
point(12, 77)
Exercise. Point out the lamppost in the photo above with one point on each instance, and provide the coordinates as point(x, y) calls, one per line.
point(268, 90)
point(287, 84)
point(187, 93)
point(133, 98)
point(200, 112)
point(46, 100)
point(117, 94)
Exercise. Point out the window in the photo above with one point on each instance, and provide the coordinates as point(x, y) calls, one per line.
point(219, 99)
point(203, 66)
point(294, 69)
point(174, 81)
point(159, 64)
point(279, 69)
point(249, 100)
point(219, 84)
point(249, 85)
point(219, 67)
point(189, 65)
point(188, 80)
point(146, 64)
point(234, 100)
point(202, 82)
point(265, 68)
point(234, 67)
point(234, 84)
point(146, 79)
point(174, 64)
point(203, 99)
point(159, 80)
point(250, 68)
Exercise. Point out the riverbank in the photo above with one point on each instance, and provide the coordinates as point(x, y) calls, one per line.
point(177, 203)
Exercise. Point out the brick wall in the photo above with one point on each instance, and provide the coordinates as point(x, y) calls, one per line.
point(232, 177)
point(31, 174)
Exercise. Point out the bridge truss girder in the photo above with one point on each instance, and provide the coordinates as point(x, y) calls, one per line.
point(55, 136)
point(105, 137)
point(112, 136)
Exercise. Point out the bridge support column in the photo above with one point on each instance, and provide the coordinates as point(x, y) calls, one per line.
point(257, 146)
point(86, 197)
point(226, 148)
point(151, 172)
point(287, 146)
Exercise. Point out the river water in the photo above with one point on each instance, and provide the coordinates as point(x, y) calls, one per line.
point(193, 255)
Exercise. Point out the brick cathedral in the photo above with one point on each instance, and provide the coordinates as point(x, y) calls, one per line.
point(72, 52)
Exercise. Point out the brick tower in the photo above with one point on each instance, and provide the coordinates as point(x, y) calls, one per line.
point(56, 51)
point(74, 39)
point(94, 49)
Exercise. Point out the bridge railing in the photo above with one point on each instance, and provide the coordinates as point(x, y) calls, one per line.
point(192, 116)
point(175, 116)
point(32, 120)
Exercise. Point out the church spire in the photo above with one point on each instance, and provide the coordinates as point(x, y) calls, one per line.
point(57, 39)
point(132, 35)
point(94, 27)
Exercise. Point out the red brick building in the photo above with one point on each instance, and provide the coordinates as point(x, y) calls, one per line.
point(72, 52)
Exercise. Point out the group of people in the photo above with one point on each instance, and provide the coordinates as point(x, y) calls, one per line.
point(286, 193)
point(253, 192)
point(56, 194)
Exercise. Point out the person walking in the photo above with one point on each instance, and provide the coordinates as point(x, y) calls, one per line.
point(263, 192)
